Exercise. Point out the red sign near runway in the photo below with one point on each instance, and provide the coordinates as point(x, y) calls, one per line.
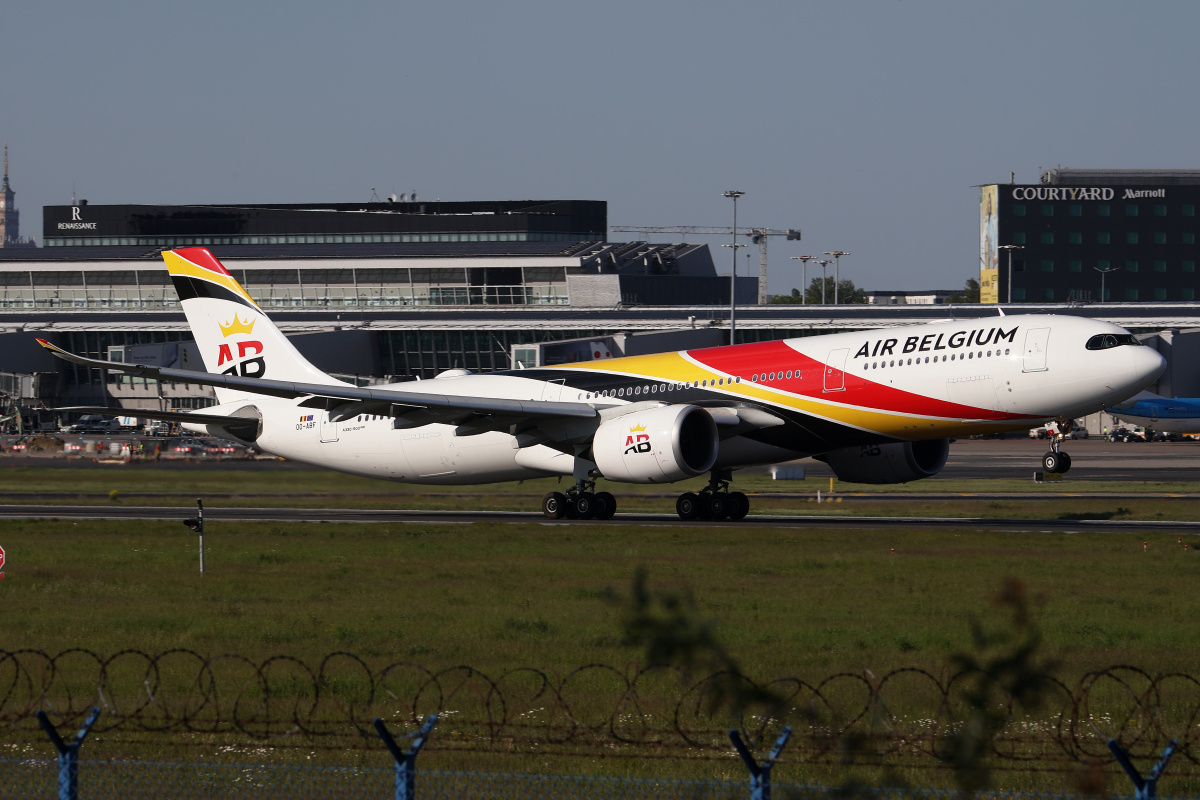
point(1, 563)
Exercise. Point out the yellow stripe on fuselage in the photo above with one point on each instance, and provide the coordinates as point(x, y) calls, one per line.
point(674, 367)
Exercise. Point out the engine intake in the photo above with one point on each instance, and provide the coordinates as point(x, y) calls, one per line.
point(900, 462)
point(657, 445)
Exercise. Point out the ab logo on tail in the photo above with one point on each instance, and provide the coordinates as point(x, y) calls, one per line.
point(254, 367)
point(637, 441)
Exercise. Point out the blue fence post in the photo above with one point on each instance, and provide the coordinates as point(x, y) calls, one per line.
point(1147, 787)
point(68, 754)
point(760, 774)
point(406, 763)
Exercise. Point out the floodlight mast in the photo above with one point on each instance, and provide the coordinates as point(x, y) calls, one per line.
point(824, 262)
point(733, 194)
point(837, 273)
point(1010, 248)
point(804, 276)
point(1103, 272)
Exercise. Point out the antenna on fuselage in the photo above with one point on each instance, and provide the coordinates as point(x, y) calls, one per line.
point(1001, 310)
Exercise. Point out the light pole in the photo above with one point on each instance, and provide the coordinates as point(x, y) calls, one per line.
point(733, 194)
point(804, 276)
point(1103, 272)
point(824, 262)
point(1010, 248)
point(837, 273)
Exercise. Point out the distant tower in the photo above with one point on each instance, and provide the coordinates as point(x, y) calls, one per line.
point(10, 226)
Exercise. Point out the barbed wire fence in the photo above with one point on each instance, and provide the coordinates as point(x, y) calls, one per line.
point(904, 719)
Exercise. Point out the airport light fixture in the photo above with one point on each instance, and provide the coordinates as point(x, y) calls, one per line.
point(1010, 248)
point(733, 194)
point(837, 273)
point(824, 262)
point(1103, 272)
point(804, 276)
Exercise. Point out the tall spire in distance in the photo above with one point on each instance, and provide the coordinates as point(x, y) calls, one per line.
point(4, 188)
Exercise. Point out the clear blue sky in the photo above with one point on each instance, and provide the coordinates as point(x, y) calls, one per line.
point(865, 124)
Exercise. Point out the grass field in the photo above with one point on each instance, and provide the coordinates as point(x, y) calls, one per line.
point(806, 603)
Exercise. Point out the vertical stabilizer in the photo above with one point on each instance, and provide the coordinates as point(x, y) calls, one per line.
point(233, 334)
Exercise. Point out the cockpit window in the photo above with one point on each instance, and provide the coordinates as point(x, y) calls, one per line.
point(1104, 341)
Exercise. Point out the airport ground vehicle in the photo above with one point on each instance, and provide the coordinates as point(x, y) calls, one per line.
point(878, 406)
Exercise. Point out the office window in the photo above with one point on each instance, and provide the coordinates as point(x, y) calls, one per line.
point(1047, 237)
point(1075, 266)
point(1018, 210)
point(1188, 211)
point(1131, 209)
point(1047, 294)
point(1076, 210)
point(1018, 237)
point(1103, 210)
point(1160, 211)
point(1131, 238)
point(1018, 293)
point(1189, 266)
point(1131, 266)
point(1160, 266)
point(1047, 265)
point(1103, 238)
point(1103, 266)
point(1188, 293)
point(1160, 294)
point(1075, 238)
point(1131, 294)
point(1189, 238)
point(1160, 238)
point(1047, 209)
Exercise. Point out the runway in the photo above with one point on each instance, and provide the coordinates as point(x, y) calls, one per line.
point(401, 517)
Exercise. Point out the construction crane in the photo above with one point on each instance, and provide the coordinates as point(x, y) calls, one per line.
point(757, 235)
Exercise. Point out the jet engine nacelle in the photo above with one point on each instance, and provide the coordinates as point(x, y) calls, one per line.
point(888, 463)
point(658, 445)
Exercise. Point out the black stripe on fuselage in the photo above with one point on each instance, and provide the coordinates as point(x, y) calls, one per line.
point(188, 287)
point(804, 432)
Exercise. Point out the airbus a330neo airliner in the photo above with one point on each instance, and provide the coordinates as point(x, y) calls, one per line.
point(877, 406)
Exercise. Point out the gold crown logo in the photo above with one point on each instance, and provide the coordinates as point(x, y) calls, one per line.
point(237, 326)
point(638, 428)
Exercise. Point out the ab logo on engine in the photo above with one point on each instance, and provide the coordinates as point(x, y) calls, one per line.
point(637, 441)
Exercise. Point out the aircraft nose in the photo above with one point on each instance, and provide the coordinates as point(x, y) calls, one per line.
point(1148, 364)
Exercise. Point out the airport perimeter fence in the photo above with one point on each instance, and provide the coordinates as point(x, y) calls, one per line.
point(907, 721)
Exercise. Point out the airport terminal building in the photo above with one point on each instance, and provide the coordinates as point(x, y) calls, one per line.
point(1132, 232)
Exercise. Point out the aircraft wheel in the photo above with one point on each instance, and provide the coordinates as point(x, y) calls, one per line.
point(1065, 459)
point(739, 506)
point(718, 506)
point(554, 505)
point(688, 506)
point(606, 505)
point(1051, 462)
point(585, 505)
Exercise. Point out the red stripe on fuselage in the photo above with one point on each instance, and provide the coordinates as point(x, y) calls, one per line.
point(201, 257)
point(745, 360)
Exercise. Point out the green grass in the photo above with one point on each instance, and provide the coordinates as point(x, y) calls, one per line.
point(806, 603)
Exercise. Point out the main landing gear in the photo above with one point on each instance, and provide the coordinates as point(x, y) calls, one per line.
point(715, 501)
point(1056, 460)
point(581, 501)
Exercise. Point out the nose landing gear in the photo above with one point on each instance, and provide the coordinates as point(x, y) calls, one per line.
point(715, 501)
point(1056, 460)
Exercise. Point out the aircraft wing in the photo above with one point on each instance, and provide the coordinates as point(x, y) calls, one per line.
point(347, 401)
point(168, 416)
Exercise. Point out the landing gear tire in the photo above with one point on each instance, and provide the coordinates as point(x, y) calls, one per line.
point(1065, 458)
point(716, 506)
point(1052, 462)
point(739, 506)
point(688, 506)
point(585, 505)
point(554, 505)
point(606, 505)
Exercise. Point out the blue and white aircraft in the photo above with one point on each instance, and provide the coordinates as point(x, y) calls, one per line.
point(1168, 414)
